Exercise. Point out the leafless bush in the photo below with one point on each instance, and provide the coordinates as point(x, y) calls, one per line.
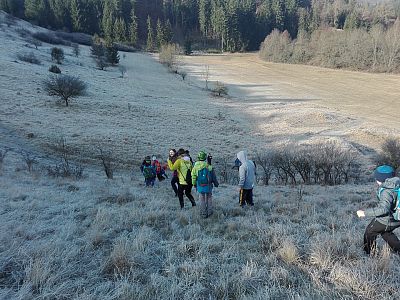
point(327, 163)
point(22, 32)
point(75, 49)
point(220, 89)
point(30, 159)
point(65, 87)
point(106, 160)
point(168, 55)
point(390, 153)
point(29, 57)
point(122, 70)
point(50, 38)
point(3, 154)
point(206, 75)
point(65, 168)
point(277, 47)
point(183, 74)
point(54, 69)
point(224, 168)
point(34, 42)
point(57, 54)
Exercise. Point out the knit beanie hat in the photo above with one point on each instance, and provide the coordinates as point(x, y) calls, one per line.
point(202, 156)
point(383, 172)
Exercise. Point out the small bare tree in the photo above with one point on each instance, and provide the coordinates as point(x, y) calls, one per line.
point(122, 70)
point(220, 89)
point(107, 163)
point(65, 87)
point(30, 160)
point(390, 153)
point(206, 75)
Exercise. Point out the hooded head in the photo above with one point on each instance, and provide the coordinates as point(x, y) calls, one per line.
point(383, 172)
point(147, 160)
point(153, 157)
point(202, 156)
point(242, 156)
point(181, 151)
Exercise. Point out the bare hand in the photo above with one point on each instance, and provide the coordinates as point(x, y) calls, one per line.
point(360, 213)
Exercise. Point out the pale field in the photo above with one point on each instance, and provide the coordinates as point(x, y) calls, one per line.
point(95, 238)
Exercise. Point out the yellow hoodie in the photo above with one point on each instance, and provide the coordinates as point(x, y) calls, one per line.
point(182, 165)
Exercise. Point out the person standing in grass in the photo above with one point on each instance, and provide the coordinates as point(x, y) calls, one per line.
point(148, 171)
point(184, 167)
point(204, 178)
point(247, 177)
point(173, 156)
point(384, 222)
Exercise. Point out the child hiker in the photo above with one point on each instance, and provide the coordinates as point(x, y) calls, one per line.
point(385, 218)
point(203, 178)
point(160, 170)
point(148, 171)
point(184, 167)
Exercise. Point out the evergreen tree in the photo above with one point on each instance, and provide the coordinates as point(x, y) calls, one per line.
point(160, 40)
point(38, 11)
point(108, 20)
point(150, 42)
point(112, 54)
point(78, 15)
point(120, 30)
point(204, 16)
point(279, 14)
point(133, 28)
point(168, 31)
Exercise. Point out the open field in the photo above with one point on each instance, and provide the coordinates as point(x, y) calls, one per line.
point(93, 238)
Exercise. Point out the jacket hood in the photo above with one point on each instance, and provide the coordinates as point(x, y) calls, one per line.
point(242, 156)
point(391, 183)
point(186, 158)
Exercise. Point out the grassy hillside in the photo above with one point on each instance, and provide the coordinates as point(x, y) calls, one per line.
point(93, 238)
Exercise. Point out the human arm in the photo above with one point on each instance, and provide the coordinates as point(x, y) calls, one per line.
point(214, 178)
point(384, 206)
point(242, 175)
point(174, 166)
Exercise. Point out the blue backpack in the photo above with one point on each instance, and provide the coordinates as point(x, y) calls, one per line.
point(149, 172)
point(203, 181)
point(396, 212)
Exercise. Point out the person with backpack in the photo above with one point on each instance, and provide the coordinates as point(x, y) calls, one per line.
point(247, 177)
point(148, 171)
point(386, 214)
point(174, 180)
point(203, 178)
point(158, 167)
point(184, 167)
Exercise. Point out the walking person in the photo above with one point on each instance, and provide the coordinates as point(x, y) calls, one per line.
point(385, 220)
point(173, 156)
point(204, 178)
point(148, 171)
point(247, 177)
point(184, 167)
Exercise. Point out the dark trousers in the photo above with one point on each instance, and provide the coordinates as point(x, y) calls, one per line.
point(175, 184)
point(246, 197)
point(373, 230)
point(187, 190)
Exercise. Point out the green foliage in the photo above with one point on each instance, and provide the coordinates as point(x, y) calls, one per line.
point(187, 46)
point(160, 40)
point(120, 30)
point(133, 29)
point(112, 54)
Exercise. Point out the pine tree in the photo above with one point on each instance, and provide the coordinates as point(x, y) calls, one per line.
point(38, 11)
point(150, 42)
point(112, 54)
point(78, 15)
point(133, 28)
point(168, 31)
point(204, 16)
point(160, 40)
point(120, 30)
point(108, 20)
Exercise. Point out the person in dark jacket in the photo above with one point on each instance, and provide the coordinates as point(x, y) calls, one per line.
point(148, 171)
point(383, 223)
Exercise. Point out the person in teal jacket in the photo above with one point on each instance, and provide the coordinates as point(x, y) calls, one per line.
point(384, 222)
point(204, 178)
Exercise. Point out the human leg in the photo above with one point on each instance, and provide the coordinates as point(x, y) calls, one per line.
point(209, 204)
point(203, 207)
point(371, 232)
point(392, 240)
point(181, 189)
point(188, 193)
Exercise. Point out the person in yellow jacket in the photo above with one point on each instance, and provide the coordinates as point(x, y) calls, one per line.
point(183, 166)
point(204, 178)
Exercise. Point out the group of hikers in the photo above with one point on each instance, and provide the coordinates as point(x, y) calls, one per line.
point(201, 175)
point(187, 174)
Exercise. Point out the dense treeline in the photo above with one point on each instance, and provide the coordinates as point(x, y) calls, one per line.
point(231, 25)
point(341, 34)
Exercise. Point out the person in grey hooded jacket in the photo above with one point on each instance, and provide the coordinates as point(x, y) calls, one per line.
point(247, 178)
point(383, 223)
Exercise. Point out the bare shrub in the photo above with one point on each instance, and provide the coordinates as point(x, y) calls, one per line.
point(226, 173)
point(220, 89)
point(30, 159)
point(57, 54)
point(106, 161)
point(206, 75)
point(265, 160)
point(29, 57)
point(64, 168)
point(168, 55)
point(54, 69)
point(75, 49)
point(34, 42)
point(390, 153)
point(183, 74)
point(277, 47)
point(122, 70)
point(65, 87)
point(50, 38)
point(3, 154)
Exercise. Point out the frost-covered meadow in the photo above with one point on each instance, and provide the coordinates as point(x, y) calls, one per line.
point(95, 238)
